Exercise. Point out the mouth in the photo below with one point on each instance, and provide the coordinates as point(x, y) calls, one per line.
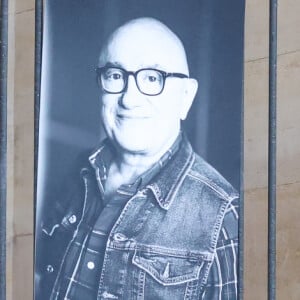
point(124, 116)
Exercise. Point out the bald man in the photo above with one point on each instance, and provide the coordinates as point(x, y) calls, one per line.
point(155, 221)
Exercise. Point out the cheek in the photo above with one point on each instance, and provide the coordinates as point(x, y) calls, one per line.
point(169, 107)
point(108, 118)
point(108, 107)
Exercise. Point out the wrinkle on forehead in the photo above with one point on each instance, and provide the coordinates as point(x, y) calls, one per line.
point(150, 32)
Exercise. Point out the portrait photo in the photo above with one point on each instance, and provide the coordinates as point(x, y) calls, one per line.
point(140, 150)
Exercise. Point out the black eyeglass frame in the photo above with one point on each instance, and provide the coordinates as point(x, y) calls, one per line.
point(164, 74)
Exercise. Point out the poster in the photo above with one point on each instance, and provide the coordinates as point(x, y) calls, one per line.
point(140, 150)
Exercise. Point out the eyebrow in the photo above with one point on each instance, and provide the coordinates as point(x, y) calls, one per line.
point(157, 66)
point(117, 64)
point(113, 64)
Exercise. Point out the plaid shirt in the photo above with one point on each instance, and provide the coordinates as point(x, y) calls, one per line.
point(81, 273)
point(222, 283)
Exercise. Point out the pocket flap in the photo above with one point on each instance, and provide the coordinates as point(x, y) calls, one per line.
point(168, 269)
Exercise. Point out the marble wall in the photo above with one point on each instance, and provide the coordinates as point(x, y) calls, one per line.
point(288, 151)
point(20, 152)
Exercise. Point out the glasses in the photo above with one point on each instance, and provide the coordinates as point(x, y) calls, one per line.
point(149, 81)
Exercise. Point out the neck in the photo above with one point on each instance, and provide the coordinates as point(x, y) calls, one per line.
point(125, 169)
point(128, 166)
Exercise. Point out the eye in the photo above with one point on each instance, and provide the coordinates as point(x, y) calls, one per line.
point(113, 74)
point(152, 78)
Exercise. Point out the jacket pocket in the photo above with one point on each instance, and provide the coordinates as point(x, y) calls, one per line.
point(169, 269)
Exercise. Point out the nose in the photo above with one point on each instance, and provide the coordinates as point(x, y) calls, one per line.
point(131, 97)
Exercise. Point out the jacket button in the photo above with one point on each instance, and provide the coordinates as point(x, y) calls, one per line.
point(90, 265)
point(50, 269)
point(120, 237)
point(72, 219)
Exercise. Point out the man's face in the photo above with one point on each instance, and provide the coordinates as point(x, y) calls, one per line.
point(135, 122)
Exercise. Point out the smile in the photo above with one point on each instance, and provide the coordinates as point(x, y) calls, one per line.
point(131, 116)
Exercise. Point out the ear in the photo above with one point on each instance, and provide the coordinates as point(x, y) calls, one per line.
point(189, 96)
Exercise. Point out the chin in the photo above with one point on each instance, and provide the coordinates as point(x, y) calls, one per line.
point(131, 138)
point(139, 139)
point(133, 146)
point(147, 147)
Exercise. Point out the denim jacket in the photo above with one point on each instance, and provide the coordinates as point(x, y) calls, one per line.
point(163, 243)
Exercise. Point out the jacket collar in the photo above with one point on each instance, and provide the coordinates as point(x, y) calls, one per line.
point(167, 183)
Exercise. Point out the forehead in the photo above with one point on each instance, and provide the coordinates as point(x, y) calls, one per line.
point(143, 45)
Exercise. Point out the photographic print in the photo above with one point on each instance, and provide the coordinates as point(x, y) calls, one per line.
point(139, 150)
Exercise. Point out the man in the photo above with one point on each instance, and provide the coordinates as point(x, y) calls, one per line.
point(155, 221)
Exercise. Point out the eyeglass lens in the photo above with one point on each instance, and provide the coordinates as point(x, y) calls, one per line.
point(149, 81)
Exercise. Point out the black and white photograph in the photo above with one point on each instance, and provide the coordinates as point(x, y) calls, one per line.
point(140, 150)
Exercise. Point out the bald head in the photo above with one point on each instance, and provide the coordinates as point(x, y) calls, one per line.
point(145, 42)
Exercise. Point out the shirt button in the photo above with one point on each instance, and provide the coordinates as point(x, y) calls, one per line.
point(72, 219)
point(120, 237)
point(49, 269)
point(90, 265)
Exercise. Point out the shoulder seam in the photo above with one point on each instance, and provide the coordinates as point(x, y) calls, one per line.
point(214, 187)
